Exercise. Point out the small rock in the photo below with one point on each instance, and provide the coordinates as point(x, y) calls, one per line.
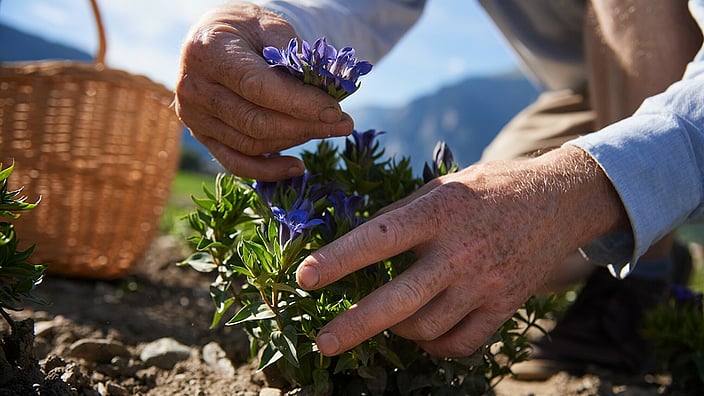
point(102, 389)
point(74, 377)
point(217, 359)
point(270, 392)
point(51, 362)
point(147, 376)
point(44, 327)
point(119, 367)
point(97, 350)
point(116, 389)
point(164, 353)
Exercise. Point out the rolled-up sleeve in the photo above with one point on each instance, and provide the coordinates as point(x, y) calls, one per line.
point(655, 160)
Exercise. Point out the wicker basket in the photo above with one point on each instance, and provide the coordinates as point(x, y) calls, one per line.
point(101, 147)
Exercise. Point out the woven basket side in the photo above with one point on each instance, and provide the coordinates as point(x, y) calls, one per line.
point(101, 146)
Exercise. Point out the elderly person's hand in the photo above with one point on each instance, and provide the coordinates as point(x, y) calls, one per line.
point(240, 108)
point(485, 239)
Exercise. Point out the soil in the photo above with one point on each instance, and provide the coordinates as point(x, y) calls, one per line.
point(94, 339)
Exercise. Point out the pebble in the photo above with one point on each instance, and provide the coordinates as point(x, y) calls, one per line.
point(270, 392)
point(112, 389)
point(97, 350)
point(164, 353)
point(74, 376)
point(216, 358)
point(119, 367)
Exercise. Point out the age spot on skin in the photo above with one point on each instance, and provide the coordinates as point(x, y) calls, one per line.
point(383, 228)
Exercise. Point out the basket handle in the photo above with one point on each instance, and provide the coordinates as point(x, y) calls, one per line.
point(100, 55)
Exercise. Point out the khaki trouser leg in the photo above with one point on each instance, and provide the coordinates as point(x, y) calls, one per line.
point(634, 49)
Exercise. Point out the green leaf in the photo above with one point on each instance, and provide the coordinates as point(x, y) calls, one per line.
point(346, 362)
point(285, 342)
point(205, 203)
point(270, 355)
point(322, 385)
point(253, 311)
point(220, 310)
point(5, 173)
point(288, 288)
point(201, 262)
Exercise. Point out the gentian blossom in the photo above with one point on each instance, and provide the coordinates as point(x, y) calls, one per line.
point(300, 186)
point(266, 190)
point(322, 65)
point(685, 296)
point(360, 148)
point(292, 223)
point(344, 211)
point(443, 162)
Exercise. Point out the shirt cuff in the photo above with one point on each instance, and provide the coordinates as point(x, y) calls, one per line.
point(649, 160)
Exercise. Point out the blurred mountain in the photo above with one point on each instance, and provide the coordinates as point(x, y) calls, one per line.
point(18, 45)
point(21, 46)
point(466, 115)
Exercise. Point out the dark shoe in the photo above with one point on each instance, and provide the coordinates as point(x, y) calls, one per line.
point(601, 327)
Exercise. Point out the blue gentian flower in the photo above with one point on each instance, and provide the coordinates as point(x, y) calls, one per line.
point(345, 208)
point(360, 148)
point(684, 296)
point(285, 58)
point(266, 190)
point(443, 162)
point(292, 223)
point(299, 186)
point(320, 65)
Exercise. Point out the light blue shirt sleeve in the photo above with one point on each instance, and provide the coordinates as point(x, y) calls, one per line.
point(372, 27)
point(655, 160)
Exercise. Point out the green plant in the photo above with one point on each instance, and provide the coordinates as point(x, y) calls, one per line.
point(675, 329)
point(18, 278)
point(253, 236)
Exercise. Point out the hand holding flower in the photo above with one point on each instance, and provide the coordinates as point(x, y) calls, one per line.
point(233, 103)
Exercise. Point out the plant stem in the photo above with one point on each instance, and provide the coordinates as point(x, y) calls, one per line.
point(272, 307)
point(8, 318)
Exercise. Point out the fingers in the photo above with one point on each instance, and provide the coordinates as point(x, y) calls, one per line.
point(198, 98)
point(274, 89)
point(379, 238)
point(255, 167)
point(381, 309)
point(239, 106)
point(441, 314)
point(219, 55)
point(468, 335)
point(238, 132)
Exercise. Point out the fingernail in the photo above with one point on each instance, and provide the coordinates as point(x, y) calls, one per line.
point(307, 276)
point(330, 115)
point(343, 128)
point(327, 344)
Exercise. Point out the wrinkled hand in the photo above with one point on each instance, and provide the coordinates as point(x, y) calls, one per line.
point(485, 239)
point(240, 108)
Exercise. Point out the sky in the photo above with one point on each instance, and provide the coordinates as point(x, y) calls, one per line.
point(454, 39)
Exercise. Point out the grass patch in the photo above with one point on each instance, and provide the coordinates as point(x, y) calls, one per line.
point(188, 184)
point(184, 186)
